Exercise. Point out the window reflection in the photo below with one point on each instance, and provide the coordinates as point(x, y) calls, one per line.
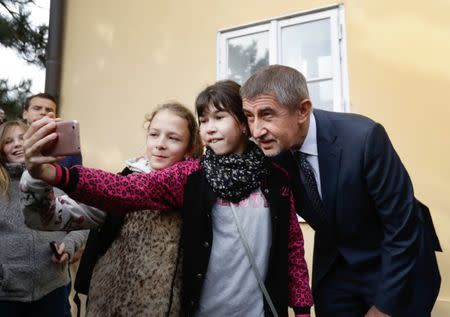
point(247, 54)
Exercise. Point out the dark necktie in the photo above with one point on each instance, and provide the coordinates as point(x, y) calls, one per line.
point(307, 175)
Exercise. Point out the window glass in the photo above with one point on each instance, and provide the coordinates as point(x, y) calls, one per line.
point(246, 54)
point(307, 47)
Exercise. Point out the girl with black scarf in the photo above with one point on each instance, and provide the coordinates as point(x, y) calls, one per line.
point(243, 248)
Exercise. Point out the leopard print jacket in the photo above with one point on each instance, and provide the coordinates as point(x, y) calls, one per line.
point(140, 274)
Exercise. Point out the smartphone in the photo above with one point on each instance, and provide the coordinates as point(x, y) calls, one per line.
point(54, 248)
point(68, 141)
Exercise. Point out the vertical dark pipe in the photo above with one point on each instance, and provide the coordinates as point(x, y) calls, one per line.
point(54, 48)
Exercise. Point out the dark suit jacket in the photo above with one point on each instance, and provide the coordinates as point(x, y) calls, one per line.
point(371, 215)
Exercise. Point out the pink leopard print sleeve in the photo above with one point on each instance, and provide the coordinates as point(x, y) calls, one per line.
point(299, 291)
point(161, 190)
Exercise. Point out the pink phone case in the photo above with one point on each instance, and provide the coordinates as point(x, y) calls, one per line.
point(68, 142)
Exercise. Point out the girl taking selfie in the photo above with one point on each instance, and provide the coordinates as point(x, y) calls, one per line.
point(134, 259)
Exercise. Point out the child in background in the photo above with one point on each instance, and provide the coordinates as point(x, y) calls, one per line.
point(243, 248)
point(32, 280)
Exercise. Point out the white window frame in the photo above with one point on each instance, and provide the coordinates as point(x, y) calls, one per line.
point(225, 37)
point(338, 46)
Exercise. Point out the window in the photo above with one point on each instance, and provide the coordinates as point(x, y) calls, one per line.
point(311, 42)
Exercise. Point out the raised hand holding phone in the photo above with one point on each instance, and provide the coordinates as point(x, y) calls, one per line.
point(39, 135)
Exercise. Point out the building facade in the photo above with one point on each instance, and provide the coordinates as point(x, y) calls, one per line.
point(384, 59)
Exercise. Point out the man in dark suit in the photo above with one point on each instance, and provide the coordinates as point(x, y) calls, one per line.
point(374, 246)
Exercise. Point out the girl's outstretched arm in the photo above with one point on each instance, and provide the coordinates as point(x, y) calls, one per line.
point(110, 192)
point(161, 190)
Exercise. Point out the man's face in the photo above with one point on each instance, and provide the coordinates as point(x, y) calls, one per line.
point(39, 107)
point(274, 126)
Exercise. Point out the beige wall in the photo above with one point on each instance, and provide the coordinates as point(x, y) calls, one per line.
point(123, 57)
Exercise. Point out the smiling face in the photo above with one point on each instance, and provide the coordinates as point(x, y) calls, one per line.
point(167, 140)
point(222, 132)
point(276, 127)
point(12, 144)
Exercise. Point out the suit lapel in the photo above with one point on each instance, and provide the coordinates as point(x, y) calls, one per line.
point(329, 160)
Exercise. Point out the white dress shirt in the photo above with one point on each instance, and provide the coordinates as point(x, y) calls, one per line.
point(309, 147)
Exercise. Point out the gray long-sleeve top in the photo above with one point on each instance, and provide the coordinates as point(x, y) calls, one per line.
point(27, 272)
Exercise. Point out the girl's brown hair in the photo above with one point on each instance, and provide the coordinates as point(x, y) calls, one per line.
point(224, 96)
point(195, 144)
point(4, 175)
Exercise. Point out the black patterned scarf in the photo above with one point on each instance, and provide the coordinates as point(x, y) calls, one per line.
point(233, 177)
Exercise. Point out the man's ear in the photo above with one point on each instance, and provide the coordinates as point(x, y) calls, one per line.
point(303, 110)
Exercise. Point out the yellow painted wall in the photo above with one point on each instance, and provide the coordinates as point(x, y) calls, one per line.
point(123, 57)
point(400, 76)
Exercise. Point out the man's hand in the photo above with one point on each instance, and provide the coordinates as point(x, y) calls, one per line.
point(40, 133)
point(374, 312)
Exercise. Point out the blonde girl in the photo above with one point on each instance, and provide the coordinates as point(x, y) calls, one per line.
point(134, 259)
point(31, 279)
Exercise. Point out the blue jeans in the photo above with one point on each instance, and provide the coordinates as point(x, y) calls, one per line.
point(51, 305)
point(68, 312)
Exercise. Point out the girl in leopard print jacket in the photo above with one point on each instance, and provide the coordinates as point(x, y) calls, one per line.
point(142, 244)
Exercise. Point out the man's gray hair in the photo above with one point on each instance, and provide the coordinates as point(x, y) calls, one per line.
point(285, 83)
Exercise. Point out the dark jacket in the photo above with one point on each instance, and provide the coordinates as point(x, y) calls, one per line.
point(198, 238)
point(372, 216)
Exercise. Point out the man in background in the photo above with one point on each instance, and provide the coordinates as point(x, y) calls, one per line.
point(36, 107)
